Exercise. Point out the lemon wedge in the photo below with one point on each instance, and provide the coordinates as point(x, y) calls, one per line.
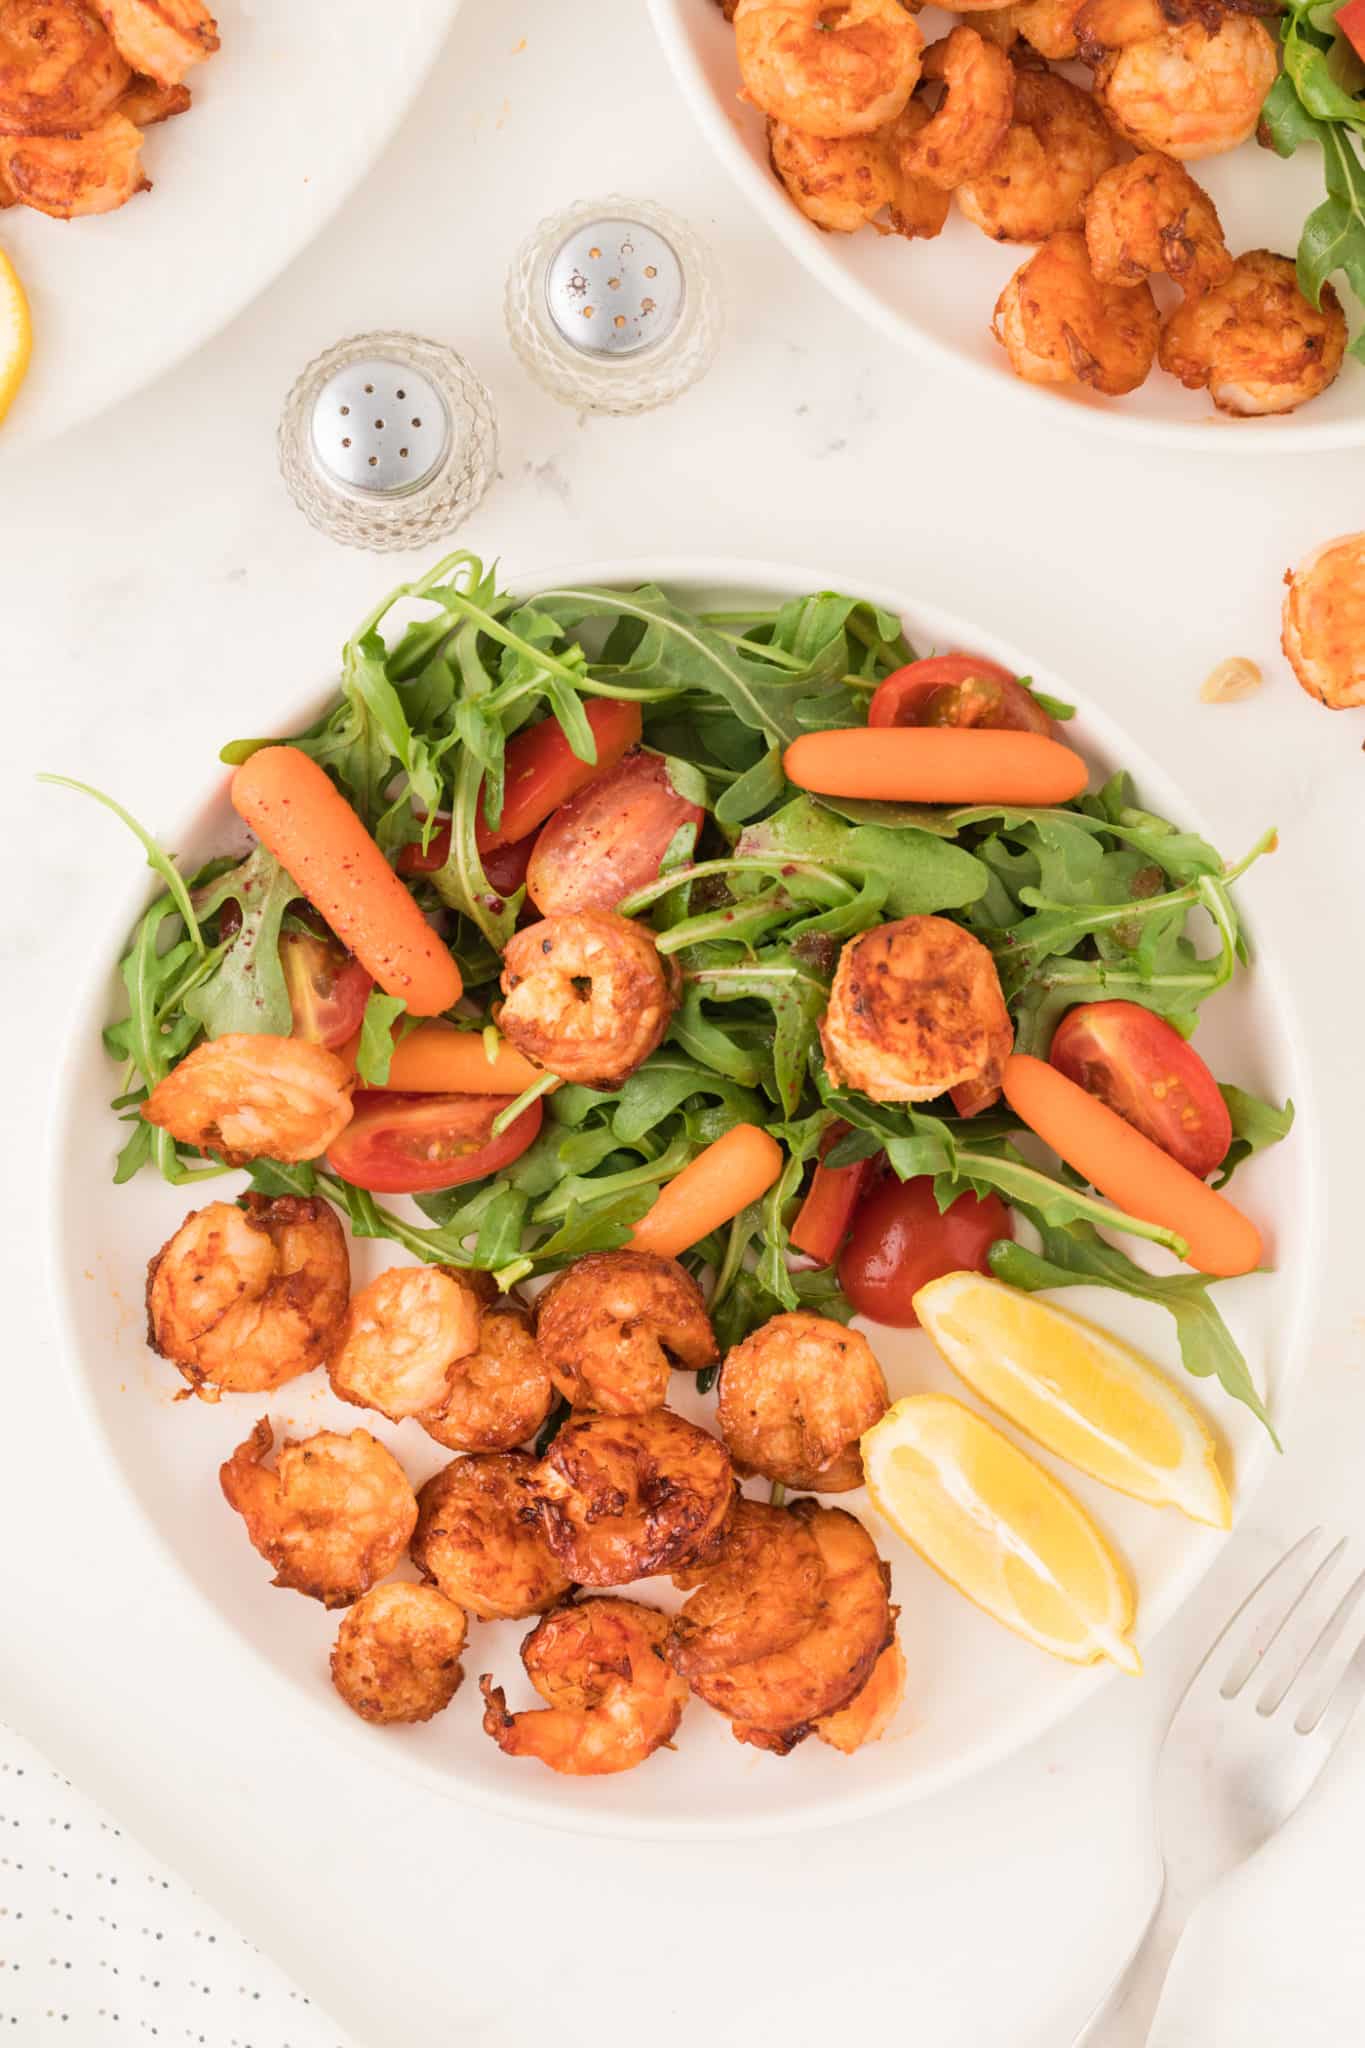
point(1079, 1392)
point(1000, 1529)
point(16, 333)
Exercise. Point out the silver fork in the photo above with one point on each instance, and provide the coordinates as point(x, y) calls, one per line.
point(1255, 1726)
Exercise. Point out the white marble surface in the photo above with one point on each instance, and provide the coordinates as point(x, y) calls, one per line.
point(157, 591)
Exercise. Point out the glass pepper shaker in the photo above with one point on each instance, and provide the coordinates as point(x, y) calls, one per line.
point(388, 441)
point(614, 306)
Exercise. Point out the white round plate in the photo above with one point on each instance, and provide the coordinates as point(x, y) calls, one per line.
point(975, 1691)
point(286, 118)
point(937, 297)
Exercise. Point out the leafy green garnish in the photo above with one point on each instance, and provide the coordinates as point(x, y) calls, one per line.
point(1309, 103)
point(1074, 1255)
point(374, 1054)
point(1255, 1124)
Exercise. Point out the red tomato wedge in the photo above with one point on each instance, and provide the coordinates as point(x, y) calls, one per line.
point(413, 1144)
point(959, 689)
point(610, 839)
point(900, 1242)
point(505, 866)
point(1141, 1067)
point(824, 1217)
point(328, 988)
point(1350, 19)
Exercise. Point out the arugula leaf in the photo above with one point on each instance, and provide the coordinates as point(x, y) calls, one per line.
point(678, 650)
point(923, 873)
point(247, 990)
point(1308, 103)
point(1074, 1255)
point(776, 977)
point(374, 1055)
point(158, 860)
point(1255, 1124)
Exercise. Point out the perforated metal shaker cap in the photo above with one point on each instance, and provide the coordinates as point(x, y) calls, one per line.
point(379, 425)
point(614, 287)
point(388, 440)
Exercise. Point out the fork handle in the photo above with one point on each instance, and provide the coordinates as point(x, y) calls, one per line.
point(1126, 2012)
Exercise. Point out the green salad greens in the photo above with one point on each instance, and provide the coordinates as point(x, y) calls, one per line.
point(1093, 899)
point(1319, 97)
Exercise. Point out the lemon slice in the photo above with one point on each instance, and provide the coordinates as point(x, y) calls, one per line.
point(1079, 1392)
point(16, 333)
point(1000, 1529)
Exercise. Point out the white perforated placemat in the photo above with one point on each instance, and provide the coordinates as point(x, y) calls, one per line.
point(101, 1945)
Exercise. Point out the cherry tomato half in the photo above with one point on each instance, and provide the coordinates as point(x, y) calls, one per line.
point(328, 988)
point(610, 839)
point(957, 689)
point(900, 1242)
point(1142, 1067)
point(412, 1144)
point(505, 866)
point(1350, 19)
point(822, 1222)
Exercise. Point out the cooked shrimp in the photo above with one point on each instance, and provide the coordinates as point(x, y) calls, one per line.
point(164, 38)
point(500, 1392)
point(870, 1712)
point(916, 1011)
point(1255, 341)
point(478, 1538)
point(1055, 148)
point(774, 1701)
point(918, 206)
point(611, 1325)
point(1047, 26)
point(613, 1696)
point(841, 182)
point(334, 1515)
point(403, 1336)
point(970, 123)
point(1058, 322)
point(251, 1096)
point(397, 1653)
point(1190, 91)
point(1324, 622)
point(70, 176)
point(759, 1595)
point(59, 69)
point(242, 1300)
point(845, 68)
point(622, 1497)
point(587, 996)
point(794, 1399)
point(1149, 216)
point(147, 102)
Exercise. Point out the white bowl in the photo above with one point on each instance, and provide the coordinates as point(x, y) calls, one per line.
point(936, 298)
point(975, 1691)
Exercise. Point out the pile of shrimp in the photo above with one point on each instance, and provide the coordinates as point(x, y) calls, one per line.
point(867, 126)
point(80, 81)
point(788, 1630)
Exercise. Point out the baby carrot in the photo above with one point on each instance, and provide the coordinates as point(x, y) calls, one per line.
point(720, 1182)
point(312, 831)
point(1129, 1168)
point(936, 765)
point(438, 1059)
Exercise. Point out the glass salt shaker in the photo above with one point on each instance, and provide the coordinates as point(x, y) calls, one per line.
point(388, 441)
point(614, 306)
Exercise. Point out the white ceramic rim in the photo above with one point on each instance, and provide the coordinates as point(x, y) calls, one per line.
point(932, 625)
point(806, 243)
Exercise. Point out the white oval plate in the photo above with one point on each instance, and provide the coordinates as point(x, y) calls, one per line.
point(975, 1691)
point(937, 297)
point(287, 117)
